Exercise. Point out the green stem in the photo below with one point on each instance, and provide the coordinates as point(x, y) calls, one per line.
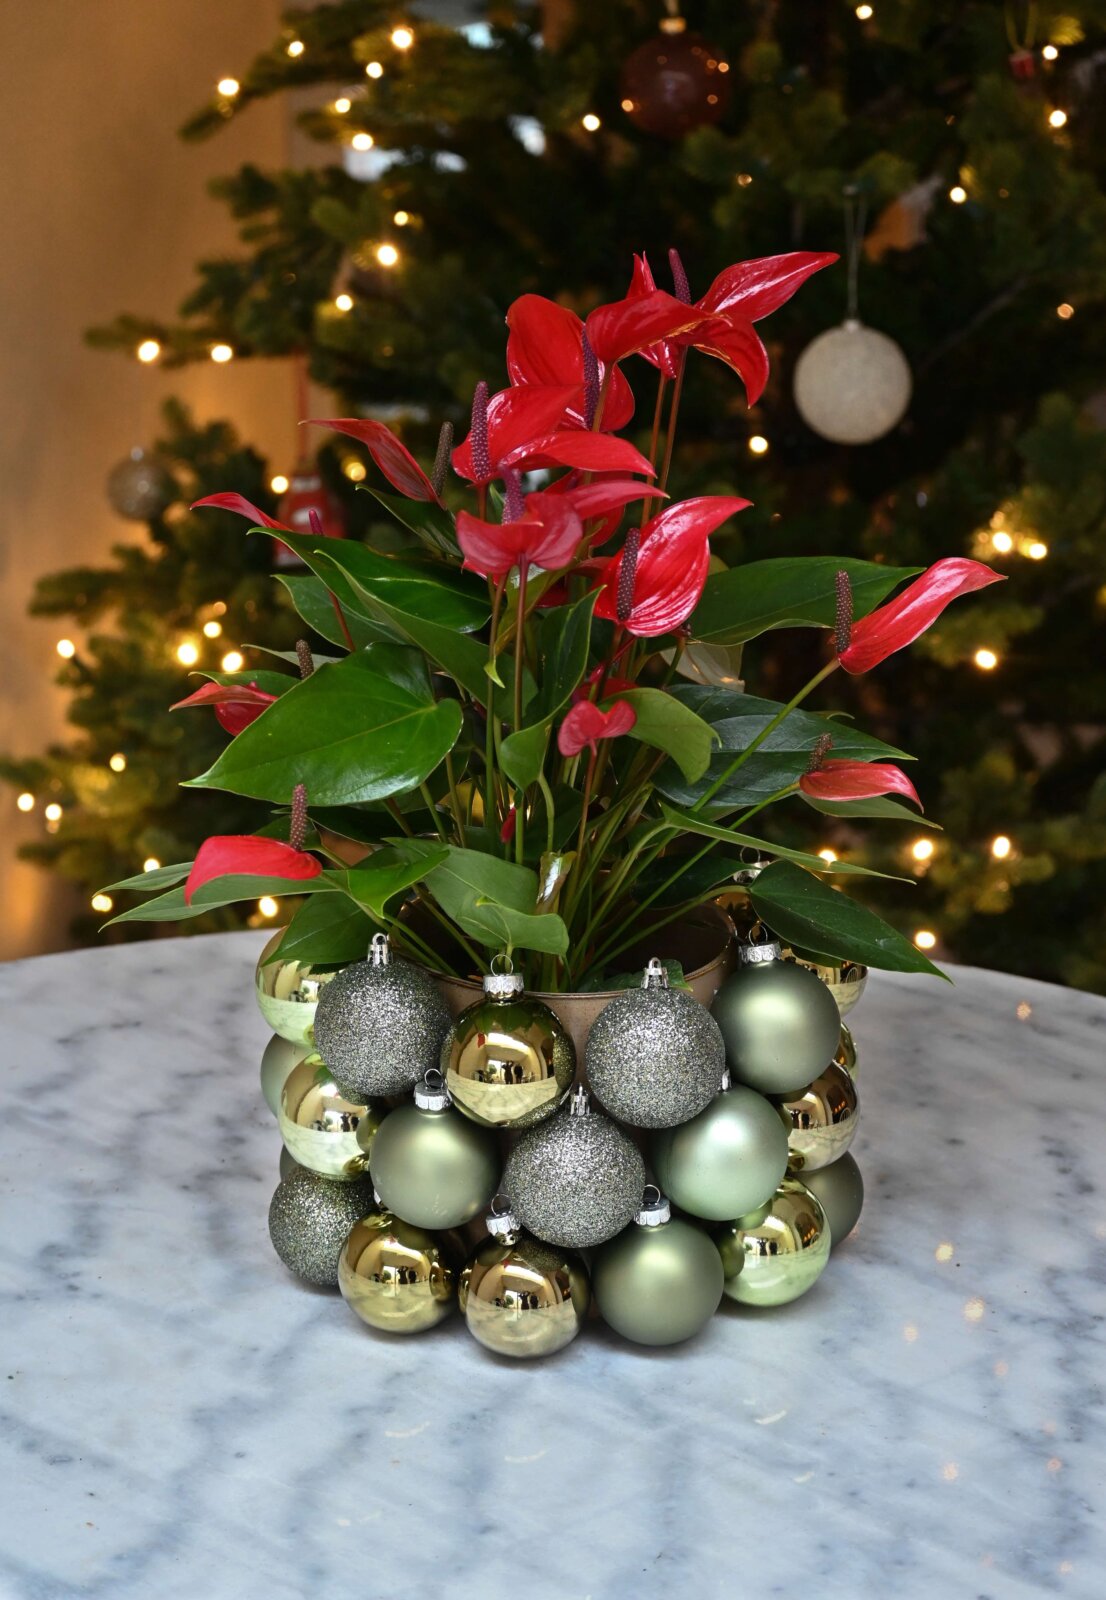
point(491, 815)
point(769, 728)
point(455, 799)
point(431, 806)
point(400, 820)
point(550, 813)
point(520, 629)
point(451, 928)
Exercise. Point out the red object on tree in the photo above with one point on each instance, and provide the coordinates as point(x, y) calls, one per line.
point(236, 705)
point(909, 614)
point(392, 456)
point(669, 567)
point(586, 723)
point(549, 532)
point(244, 855)
point(857, 780)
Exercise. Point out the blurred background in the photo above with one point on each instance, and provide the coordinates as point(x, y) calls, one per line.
point(224, 218)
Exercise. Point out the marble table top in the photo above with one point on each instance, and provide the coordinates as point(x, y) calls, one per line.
point(182, 1420)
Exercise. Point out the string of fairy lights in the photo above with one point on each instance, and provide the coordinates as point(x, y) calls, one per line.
point(1000, 539)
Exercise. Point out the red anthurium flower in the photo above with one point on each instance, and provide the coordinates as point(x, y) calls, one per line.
point(866, 643)
point(549, 531)
point(244, 508)
point(857, 780)
point(236, 705)
point(507, 831)
point(546, 346)
point(586, 452)
point(612, 685)
point(515, 419)
point(245, 855)
point(737, 298)
point(628, 326)
point(654, 583)
point(586, 723)
point(392, 457)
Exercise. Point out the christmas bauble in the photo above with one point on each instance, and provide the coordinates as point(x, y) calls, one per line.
point(727, 1160)
point(140, 487)
point(280, 1056)
point(846, 1050)
point(395, 1276)
point(520, 1297)
point(507, 1061)
point(822, 1118)
point(381, 1025)
point(288, 1163)
point(655, 1056)
point(288, 993)
point(778, 1251)
point(433, 1167)
point(309, 1218)
point(845, 980)
point(322, 1129)
point(675, 82)
point(575, 1180)
point(852, 384)
point(660, 1280)
point(840, 1190)
point(780, 1023)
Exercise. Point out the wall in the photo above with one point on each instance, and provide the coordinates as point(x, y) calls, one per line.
point(103, 210)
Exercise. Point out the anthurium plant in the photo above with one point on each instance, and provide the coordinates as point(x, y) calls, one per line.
point(520, 725)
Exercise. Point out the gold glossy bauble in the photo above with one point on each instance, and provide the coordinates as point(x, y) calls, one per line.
point(280, 1056)
point(321, 1129)
point(822, 1120)
point(523, 1298)
point(288, 992)
point(775, 1254)
point(846, 980)
point(846, 1051)
point(508, 1063)
point(397, 1277)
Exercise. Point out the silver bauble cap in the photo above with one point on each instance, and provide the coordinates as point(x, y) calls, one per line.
point(655, 1208)
point(431, 1094)
point(380, 950)
point(501, 1221)
point(751, 955)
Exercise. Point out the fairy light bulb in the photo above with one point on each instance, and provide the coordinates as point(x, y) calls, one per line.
point(362, 141)
point(758, 444)
point(591, 122)
point(925, 939)
point(212, 630)
point(374, 70)
point(354, 470)
point(1037, 550)
point(1001, 847)
point(66, 649)
point(25, 801)
point(233, 661)
point(865, 13)
point(221, 353)
point(148, 351)
point(343, 302)
point(228, 87)
point(1065, 311)
point(1050, 52)
point(118, 762)
point(402, 38)
point(986, 660)
point(296, 47)
point(342, 105)
point(1002, 542)
point(267, 906)
point(1057, 118)
point(279, 484)
point(922, 849)
point(101, 902)
point(401, 218)
point(52, 813)
point(828, 856)
point(958, 194)
point(188, 653)
point(387, 255)
point(151, 864)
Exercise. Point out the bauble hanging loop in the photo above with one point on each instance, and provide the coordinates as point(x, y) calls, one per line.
point(508, 1061)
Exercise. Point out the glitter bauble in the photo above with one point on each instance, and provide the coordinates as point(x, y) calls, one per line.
point(520, 1297)
point(321, 1128)
point(852, 384)
point(507, 1061)
point(380, 1025)
point(655, 1056)
point(840, 1189)
point(140, 488)
point(660, 1280)
point(575, 1180)
point(822, 1118)
point(433, 1167)
point(780, 1023)
point(395, 1276)
point(779, 1251)
point(280, 1056)
point(309, 1219)
point(727, 1160)
point(675, 82)
point(288, 993)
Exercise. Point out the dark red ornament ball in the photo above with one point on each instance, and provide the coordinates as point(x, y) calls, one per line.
point(674, 83)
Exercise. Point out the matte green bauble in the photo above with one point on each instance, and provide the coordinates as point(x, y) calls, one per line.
point(661, 1280)
point(280, 1056)
point(434, 1168)
point(288, 993)
point(780, 1023)
point(507, 1060)
point(309, 1219)
point(840, 1188)
point(777, 1252)
point(727, 1160)
point(822, 1119)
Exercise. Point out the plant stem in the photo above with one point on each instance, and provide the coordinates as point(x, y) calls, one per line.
point(673, 413)
point(520, 628)
point(401, 821)
point(769, 728)
point(342, 623)
point(455, 799)
point(491, 813)
point(439, 829)
point(550, 815)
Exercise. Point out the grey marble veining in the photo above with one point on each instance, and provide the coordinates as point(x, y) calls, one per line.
point(183, 1421)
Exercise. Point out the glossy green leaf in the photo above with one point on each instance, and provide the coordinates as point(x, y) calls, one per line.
point(417, 588)
point(522, 754)
point(267, 681)
point(328, 930)
point(153, 882)
point(879, 806)
point(492, 900)
point(348, 733)
point(564, 637)
point(376, 882)
point(227, 891)
point(430, 523)
point(667, 724)
point(787, 592)
point(805, 912)
point(312, 601)
point(688, 822)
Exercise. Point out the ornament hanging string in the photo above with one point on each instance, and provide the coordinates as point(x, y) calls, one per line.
point(856, 216)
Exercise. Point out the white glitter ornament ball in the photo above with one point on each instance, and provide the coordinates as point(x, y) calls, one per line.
point(380, 1025)
point(576, 1179)
point(852, 384)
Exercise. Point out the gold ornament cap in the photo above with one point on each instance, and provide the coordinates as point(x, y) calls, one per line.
point(501, 1222)
point(431, 1094)
point(502, 982)
point(655, 1208)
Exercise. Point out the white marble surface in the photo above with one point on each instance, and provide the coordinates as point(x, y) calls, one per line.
point(183, 1421)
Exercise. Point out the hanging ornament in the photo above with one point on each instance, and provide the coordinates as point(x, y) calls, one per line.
point(655, 1055)
point(661, 1280)
point(288, 1163)
point(309, 1218)
point(520, 1297)
point(675, 81)
point(322, 1129)
point(433, 1168)
point(397, 1277)
point(852, 384)
point(508, 1062)
point(845, 980)
point(839, 1189)
point(140, 487)
point(727, 1160)
point(288, 993)
point(577, 1179)
point(777, 1252)
point(280, 1056)
point(846, 1050)
point(308, 507)
point(822, 1118)
point(382, 1025)
point(780, 1023)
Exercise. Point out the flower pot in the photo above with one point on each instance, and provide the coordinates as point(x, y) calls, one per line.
point(702, 943)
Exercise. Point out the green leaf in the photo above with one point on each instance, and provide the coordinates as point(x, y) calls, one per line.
point(416, 587)
point(312, 600)
point(689, 823)
point(269, 682)
point(226, 891)
point(781, 759)
point(387, 874)
point(328, 930)
point(667, 724)
point(430, 523)
point(349, 733)
point(879, 806)
point(788, 592)
point(804, 912)
point(522, 754)
point(564, 637)
point(152, 882)
point(490, 899)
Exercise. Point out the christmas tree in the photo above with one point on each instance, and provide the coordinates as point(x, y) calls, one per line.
point(952, 153)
